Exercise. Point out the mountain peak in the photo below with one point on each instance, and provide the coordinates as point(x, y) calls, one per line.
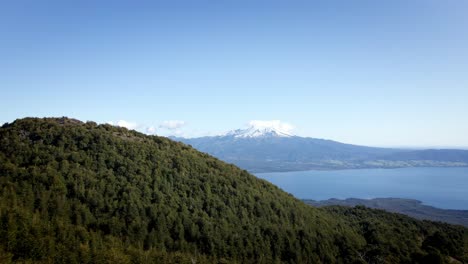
point(263, 129)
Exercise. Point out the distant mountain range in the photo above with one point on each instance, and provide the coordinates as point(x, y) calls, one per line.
point(267, 149)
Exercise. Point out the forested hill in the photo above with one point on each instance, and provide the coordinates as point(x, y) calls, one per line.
point(74, 192)
point(410, 207)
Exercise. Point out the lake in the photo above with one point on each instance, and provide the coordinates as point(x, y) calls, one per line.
point(440, 187)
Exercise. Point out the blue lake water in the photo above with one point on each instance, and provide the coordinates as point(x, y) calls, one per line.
point(440, 187)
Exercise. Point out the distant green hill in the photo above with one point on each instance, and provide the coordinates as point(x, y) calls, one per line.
point(74, 192)
point(410, 207)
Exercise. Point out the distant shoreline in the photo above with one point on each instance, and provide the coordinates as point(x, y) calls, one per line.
point(356, 169)
point(410, 207)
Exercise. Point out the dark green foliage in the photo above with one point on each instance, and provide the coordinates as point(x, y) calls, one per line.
point(74, 192)
point(389, 235)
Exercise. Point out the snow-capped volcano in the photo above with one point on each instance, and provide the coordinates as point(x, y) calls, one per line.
point(257, 128)
point(269, 146)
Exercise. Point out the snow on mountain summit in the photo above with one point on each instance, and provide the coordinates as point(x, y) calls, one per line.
point(257, 128)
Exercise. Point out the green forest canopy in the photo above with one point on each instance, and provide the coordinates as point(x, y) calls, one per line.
point(74, 192)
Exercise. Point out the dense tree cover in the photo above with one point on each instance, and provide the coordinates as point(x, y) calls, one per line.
point(391, 237)
point(73, 192)
point(409, 207)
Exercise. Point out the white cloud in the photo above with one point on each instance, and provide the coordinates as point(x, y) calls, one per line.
point(172, 124)
point(167, 128)
point(274, 124)
point(123, 123)
point(151, 130)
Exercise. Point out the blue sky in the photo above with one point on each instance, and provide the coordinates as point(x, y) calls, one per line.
point(381, 73)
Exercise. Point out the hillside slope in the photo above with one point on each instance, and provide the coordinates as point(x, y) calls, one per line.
point(74, 192)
